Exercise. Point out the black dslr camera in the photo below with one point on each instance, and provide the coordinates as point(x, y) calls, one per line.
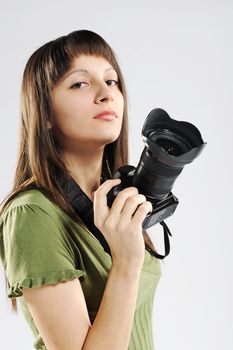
point(169, 145)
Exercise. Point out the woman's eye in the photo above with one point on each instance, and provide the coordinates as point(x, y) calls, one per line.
point(115, 81)
point(77, 85)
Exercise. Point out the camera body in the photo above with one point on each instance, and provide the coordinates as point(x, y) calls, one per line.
point(162, 209)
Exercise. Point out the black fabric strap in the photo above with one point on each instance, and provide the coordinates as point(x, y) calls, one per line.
point(166, 232)
point(83, 206)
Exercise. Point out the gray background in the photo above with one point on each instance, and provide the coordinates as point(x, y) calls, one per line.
point(176, 55)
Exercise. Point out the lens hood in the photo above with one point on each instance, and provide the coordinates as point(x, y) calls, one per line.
point(159, 124)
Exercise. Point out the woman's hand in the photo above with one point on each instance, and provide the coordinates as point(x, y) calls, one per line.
point(122, 228)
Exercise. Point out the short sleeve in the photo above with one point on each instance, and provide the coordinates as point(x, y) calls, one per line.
point(35, 249)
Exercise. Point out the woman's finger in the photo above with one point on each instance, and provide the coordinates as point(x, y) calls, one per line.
point(142, 211)
point(100, 206)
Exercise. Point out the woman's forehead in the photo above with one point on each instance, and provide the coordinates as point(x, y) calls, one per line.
point(83, 61)
point(89, 64)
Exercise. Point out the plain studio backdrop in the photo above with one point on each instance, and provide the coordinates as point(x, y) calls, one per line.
point(176, 55)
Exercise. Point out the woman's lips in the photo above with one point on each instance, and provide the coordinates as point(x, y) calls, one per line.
point(106, 117)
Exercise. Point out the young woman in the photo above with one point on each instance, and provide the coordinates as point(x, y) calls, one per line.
point(73, 294)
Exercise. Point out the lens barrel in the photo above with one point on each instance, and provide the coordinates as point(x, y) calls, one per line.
point(169, 146)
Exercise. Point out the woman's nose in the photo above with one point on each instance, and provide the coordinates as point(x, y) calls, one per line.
point(104, 93)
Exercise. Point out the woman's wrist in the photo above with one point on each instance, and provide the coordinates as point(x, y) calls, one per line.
point(125, 270)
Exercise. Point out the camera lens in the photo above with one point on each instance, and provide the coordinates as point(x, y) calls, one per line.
point(169, 147)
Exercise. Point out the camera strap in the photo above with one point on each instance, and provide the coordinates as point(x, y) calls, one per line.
point(166, 234)
point(83, 206)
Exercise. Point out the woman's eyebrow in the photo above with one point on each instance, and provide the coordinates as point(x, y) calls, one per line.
point(84, 71)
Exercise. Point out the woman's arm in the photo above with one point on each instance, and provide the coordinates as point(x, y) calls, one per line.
point(61, 316)
point(112, 326)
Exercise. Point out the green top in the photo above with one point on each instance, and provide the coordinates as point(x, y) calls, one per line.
point(40, 244)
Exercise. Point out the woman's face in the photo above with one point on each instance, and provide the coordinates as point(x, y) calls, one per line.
point(79, 97)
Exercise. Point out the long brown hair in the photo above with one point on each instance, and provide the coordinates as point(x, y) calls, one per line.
point(39, 161)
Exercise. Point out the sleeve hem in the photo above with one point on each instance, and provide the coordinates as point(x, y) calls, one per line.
point(50, 277)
